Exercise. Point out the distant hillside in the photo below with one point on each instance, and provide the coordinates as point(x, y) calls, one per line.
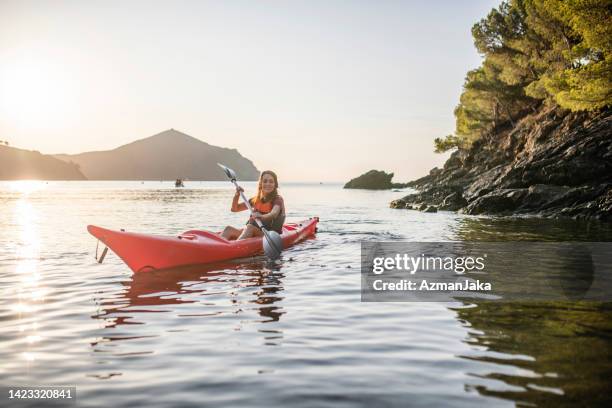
point(18, 164)
point(164, 156)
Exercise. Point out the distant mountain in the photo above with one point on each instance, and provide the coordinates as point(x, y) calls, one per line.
point(19, 164)
point(165, 156)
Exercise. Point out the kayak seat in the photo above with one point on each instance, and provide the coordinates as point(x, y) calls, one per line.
point(194, 234)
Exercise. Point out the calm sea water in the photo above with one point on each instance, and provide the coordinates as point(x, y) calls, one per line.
point(296, 334)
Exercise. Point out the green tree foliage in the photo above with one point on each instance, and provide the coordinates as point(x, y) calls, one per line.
point(448, 143)
point(585, 83)
point(556, 51)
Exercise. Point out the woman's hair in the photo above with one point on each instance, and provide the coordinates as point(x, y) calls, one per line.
point(260, 194)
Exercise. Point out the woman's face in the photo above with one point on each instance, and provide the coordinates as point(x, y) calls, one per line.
point(267, 184)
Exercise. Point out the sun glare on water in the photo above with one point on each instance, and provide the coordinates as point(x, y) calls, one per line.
point(26, 187)
point(31, 295)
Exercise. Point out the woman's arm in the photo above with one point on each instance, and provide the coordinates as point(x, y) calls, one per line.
point(271, 215)
point(236, 207)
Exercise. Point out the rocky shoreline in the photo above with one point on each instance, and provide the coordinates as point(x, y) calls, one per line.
point(552, 163)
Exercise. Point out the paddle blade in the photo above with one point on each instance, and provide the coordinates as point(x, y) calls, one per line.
point(273, 244)
point(228, 172)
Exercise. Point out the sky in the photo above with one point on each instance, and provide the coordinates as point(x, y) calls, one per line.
point(315, 90)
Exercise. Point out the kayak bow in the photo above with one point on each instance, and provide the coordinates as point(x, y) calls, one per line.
point(143, 252)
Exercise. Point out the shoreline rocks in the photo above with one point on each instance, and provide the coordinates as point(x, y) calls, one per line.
point(553, 163)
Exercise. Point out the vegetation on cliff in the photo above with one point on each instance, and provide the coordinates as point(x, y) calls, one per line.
point(551, 52)
point(534, 121)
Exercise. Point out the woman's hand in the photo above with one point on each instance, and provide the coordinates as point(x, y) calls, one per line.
point(256, 215)
point(236, 207)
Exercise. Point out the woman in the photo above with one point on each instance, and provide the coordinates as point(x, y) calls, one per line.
point(267, 205)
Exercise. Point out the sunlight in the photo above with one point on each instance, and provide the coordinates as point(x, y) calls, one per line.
point(36, 94)
point(28, 356)
point(21, 308)
point(38, 294)
point(33, 339)
point(26, 217)
point(29, 279)
point(31, 296)
point(26, 187)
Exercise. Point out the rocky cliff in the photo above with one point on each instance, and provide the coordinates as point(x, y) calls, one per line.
point(552, 163)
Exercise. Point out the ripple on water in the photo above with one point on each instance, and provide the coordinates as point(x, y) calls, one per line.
point(291, 334)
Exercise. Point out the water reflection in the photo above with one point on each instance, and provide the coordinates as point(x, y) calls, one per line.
point(30, 293)
point(171, 195)
point(219, 290)
point(538, 353)
point(530, 229)
point(545, 353)
point(26, 187)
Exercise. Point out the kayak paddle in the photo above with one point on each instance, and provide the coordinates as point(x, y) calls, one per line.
point(272, 244)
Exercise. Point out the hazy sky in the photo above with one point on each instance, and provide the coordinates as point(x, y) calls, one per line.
point(317, 90)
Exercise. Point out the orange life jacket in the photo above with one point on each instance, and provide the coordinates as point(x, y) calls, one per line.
point(262, 207)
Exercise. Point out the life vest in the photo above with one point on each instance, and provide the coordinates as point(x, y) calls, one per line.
point(262, 207)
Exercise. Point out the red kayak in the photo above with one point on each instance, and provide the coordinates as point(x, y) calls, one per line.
point(142, 252)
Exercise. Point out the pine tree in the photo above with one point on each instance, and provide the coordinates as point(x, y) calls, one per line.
point(555, 51)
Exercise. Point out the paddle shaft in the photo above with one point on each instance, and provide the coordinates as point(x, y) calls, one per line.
point(272, 238)
point(248, 204)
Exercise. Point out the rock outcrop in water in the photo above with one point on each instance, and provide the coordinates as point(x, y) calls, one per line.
point(19, 164)
point(374, 180)
point(553, 163)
